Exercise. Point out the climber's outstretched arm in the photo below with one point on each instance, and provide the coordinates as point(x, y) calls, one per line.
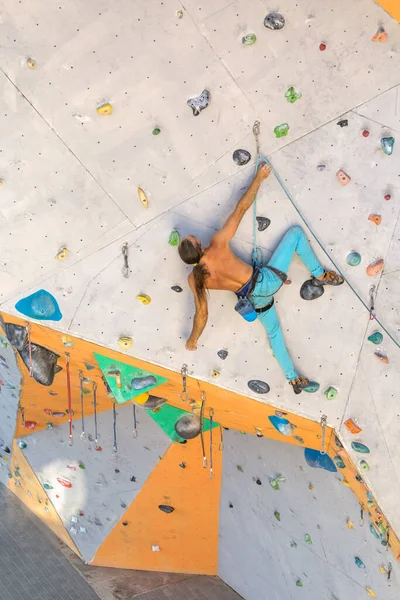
point(224, 235)
point(200, 316)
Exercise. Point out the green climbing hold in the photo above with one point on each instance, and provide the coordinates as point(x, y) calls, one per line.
point(361, 448)
point(291, 95)
point(330, 393)
point(22, 444)
point(312, 387)
point(48, 486)
point(281, 130)
point(17, 472)
point(307, 538)
point(249, 39)
point(174, 238)
point(376, 337)
point(370, 504)
point(240, 468)
point(156, 131)
point(353, 259)
point(364, 465)
point(277, 515)
point(339, 462)
point(299, 583)
point(274, 483)
point(81, 466)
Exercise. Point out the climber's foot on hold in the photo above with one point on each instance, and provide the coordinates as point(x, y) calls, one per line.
point(299, 384)
point(329, 278)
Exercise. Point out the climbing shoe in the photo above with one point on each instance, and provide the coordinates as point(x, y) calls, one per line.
point(330, 278)
point(299, 384)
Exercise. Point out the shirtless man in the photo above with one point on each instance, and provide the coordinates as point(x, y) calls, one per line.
point(218, 268)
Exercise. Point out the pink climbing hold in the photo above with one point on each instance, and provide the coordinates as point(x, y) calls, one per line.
point(365, 133)
point(375, 268)
point(30, 425)
point(47, 411)
point(387, 197)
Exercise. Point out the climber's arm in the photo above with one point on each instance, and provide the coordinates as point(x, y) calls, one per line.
point(224, 235)
point(200, 316)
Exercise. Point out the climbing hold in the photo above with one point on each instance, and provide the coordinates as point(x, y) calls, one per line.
point(4, 447)
point(166, 508)
point(374, 531)
point(322, 46)
point(307, 538)
point(361, 448)
point(387, 197)
point(139, 383)
point(281, 130)
point(359, 479)
point(365, 133)
point(177, 288)
point(298, 439)
point(22, 444)
point(179, 14)
point(353, 259)
point(174, 238)
point(30, 425)
point(291, 95)
point(359, 562)
point(249, 39)
point(259, 432)
point(382, 357)
point(263, 223)
point(310, 486)
point(364, 465)
point(199, 103)
point(381, 528)
point(375, 268)
point(156, 131)
point(58, 414)
point(215, 374)
point(143, 198)
point(383, 570)
point(282, 425)
point(104, 109)
point(377, 219)
point(343, 123)
point(370, 592)
point(350, 524)
point(16, 334)
point(274, 20)
point(152, 402)
point(240, 468)
point(41, 305)
point(230, 505)
point(311, 290)
point(143, 298)
point(312, 387)
point(387, 144)
point(48, 486)
point(299, 583)
point(125, 342)
point(62, 253)
point(257, 386)
point(376, 337)
point(277, 515)
point(32, 64)
point(293, 545)
point(188, 427)
point(317, 460)
point(241, 157)
point(124, 523)
point(339, 462)
point(352, 426)
point(380, 35)
point(223, 354)
point(64, 482)
point(258, 481)
point(331, 393)
point(274, 483)
point(321, 167)
point(343, 178)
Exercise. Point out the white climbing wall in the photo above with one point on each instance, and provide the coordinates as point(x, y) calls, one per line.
point(10, 389)
point(70, 179)
point(261, 557)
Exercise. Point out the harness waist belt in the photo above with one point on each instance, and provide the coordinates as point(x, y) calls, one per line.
point(248, 287)
point(264, 308)
point(282, 276)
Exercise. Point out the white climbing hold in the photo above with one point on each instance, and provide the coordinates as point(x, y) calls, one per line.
point(155, 548)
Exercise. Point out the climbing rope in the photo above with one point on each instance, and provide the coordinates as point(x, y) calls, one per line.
point(69, 398)
point(115, 445)
point(96, 439)
point(257, 251)
point(134, 431)
point(211, 441)
point(203, 402)
point(83, 434)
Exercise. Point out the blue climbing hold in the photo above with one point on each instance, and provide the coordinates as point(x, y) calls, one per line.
point(353, 259)
point(339, 462)
point(139, 383)
point(315, 459)
point(282, 425)
point(312, 387)
point(373, 530)
point(361, 448)
point(370, 496)
point(359, 562)
point(387, 144)
point(41, 305)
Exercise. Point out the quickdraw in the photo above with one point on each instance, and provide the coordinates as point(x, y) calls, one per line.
point(135, 431)
point(69, 398)
point(184, 393)
point(81, 378)
point(221, 442)
point(125, 268)
point(115, 445)
point(203, 401)
point(323, 434)
point(372, 313)
point(96, 437)
point(211, 441)
point(361, 521)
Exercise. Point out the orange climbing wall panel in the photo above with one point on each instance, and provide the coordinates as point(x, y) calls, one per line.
point(31, 493)
point(392, 7)
point(188, 537)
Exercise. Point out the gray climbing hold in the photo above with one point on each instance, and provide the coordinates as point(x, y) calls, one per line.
point(16, 335)
point(44, 363)
point(223, 354)
point(258, 386)
point(139, 383)
point(153, 402)
point(274, 20)
point(310, 290)
point(263, 223)
point(199, 103)
point(343, 123)
point(241, 157)
point(177, 288)
point(166, 508)
point(188, 427)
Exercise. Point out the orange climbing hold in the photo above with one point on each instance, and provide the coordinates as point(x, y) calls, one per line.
point(375, 268)
point(377, 219)
point(380, 36)
point(352, 426)
point(382, 357)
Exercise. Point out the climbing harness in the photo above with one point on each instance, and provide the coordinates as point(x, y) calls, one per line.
point(361, 521)
point(323, 425)
point(69, 398)
point(134, 431)
point(211, 441)
point(372, 313)
point(203, 401)
point(221, 443)
point(28, 332)
point(125, 268)
point(81, 378)
point(96, 439)
point(184, 393)
point(115, 445)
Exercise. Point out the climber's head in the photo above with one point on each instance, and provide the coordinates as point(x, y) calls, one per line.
point(190, 250)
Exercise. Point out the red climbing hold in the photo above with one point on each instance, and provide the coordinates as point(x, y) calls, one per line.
point(99, 449)
point(365, 133)
point(322, 46)
point(30, 424)
point(47, 411)
point(64, 482)
point(387, 197)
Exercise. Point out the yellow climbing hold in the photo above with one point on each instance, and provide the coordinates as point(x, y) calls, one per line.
point(104, 109)
point(32, 64)
point(215, 374)
point(67, 341)
point(370, 592)
point(142, 399)
point(310, 486)
point(143, 198)
point(61, 254)
point(345, 482)
point(350, 524)
point(143, 298)
point(125, 342)
point(383, 570)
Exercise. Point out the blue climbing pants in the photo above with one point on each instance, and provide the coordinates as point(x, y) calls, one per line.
point(268, 283)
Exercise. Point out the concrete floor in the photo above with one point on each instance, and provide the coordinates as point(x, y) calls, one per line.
point(35, 565)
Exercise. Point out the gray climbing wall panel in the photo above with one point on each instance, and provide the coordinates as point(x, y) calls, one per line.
point(261, 557)
point(10, 389)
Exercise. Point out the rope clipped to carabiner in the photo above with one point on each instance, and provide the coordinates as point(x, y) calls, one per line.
point(211, 441)
point(184, 393)
point(69, 398)
point(134, 431)
point(323, 434)
point(81, 378)
point(96, 437)
point(115, 445)
point(203, 402)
